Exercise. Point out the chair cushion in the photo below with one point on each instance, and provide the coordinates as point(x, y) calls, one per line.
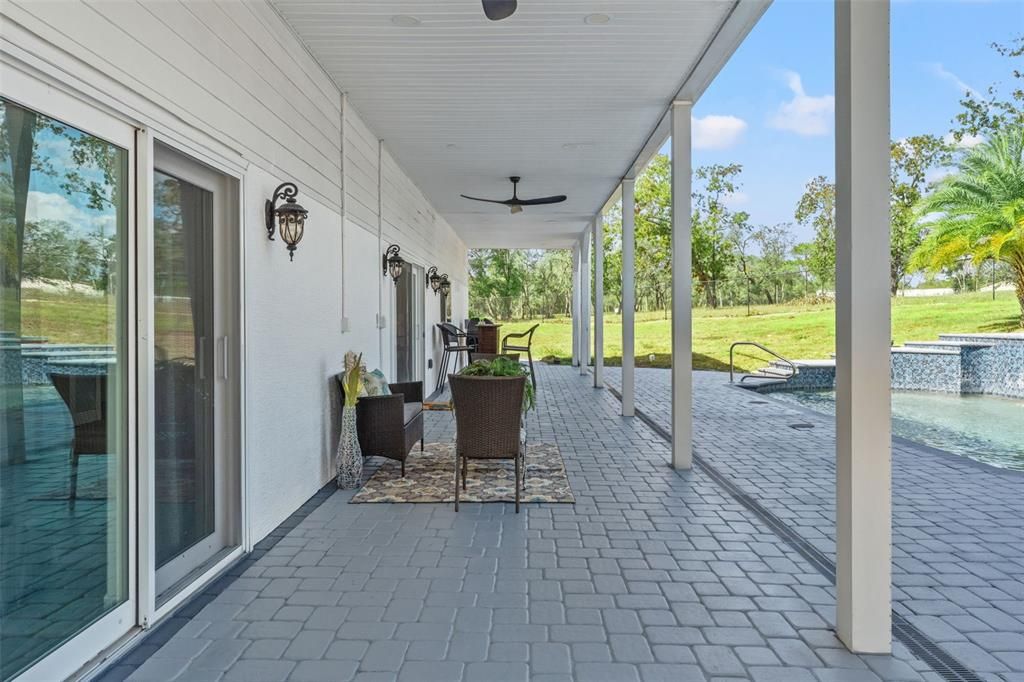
point(411, 410)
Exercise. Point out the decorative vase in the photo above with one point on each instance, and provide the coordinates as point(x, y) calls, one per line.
point(350, 455)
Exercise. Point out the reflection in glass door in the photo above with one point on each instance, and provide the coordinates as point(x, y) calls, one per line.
point(64, 457)
point(183, 377)
point(192, 496)
point(409, 324)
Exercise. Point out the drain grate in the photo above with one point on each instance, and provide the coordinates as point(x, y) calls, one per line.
point(947, 666)
point(801, 426)
point(758, 402)
point(940, 660)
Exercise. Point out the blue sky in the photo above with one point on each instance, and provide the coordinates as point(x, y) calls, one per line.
point(786, 67)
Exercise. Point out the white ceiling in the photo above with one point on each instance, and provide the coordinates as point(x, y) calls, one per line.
point(462, 102)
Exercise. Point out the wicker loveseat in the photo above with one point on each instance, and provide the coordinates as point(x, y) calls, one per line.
point(389, 425)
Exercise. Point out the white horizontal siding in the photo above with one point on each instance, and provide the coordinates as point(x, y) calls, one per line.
point(164, 52)
point(228, 80)
point(361, 172)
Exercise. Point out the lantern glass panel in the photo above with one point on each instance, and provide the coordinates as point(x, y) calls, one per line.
point(395, 267)
point(292, 227)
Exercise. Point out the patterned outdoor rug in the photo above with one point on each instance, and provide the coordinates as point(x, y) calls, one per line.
point(430, 477)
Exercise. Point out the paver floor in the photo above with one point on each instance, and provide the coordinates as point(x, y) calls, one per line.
point(958, 526)
point(651, 575)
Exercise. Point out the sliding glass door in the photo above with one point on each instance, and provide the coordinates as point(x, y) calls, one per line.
point(409, 324)
point(195, 464)
point(65, 455)
point(79, 412)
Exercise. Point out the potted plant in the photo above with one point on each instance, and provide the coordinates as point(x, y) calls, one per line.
point(502, 367)
point(350, 456)
point(490, 399)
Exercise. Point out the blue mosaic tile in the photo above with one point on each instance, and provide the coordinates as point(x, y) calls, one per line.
point(988, 364)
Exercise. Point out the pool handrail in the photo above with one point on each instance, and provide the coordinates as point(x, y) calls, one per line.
point(732, 364)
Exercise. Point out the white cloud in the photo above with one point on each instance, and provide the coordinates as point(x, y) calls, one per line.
point(966, 142)
point(804, 114)
point(51, 206)
point(736, 199)
point(939, 71)
point(717, 132)
point(934, 175)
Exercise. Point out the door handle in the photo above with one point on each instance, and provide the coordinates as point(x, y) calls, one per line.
point(224, 357)
point(201, 360)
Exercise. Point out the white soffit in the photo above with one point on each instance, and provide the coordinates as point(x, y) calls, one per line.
point(462, 102)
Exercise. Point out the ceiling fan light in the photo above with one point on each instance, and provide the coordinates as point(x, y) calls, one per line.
point(516, 209)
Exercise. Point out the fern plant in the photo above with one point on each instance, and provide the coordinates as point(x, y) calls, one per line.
point(502, 367)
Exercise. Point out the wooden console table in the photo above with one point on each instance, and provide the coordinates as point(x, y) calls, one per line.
point(487, 335)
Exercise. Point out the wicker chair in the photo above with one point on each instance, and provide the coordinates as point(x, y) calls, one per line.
point(389, 425)
point(86, 398)
point(523, 346)
point(488, 418)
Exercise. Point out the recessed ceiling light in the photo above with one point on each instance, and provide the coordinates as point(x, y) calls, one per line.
point(577, 145)
point(596, 19)
point(405, 20)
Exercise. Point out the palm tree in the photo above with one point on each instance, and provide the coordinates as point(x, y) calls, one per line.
point(979, 210)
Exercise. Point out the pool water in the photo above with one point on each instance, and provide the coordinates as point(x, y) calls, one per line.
point(985, 428)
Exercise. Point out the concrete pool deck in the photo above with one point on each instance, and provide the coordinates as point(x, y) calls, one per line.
point(958, 525)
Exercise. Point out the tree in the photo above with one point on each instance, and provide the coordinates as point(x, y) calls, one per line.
point(985, 114)
point(774, 242)
point(979, 211)
point(654, 233)
point(497, 279)
point(817, 208)
point(912, 158)
point(713, 223)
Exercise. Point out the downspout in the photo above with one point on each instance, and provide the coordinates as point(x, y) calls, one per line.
point(343, 209)
point(380, 250)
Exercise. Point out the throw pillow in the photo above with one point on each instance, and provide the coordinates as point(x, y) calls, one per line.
point(374, 383)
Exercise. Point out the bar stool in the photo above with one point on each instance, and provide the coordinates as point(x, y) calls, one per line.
point(455, 342)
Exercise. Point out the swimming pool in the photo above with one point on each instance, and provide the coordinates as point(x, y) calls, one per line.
point(985, 428)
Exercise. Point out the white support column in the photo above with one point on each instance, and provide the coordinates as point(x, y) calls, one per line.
point(628, 297)
point(575, 304)
point(585, 302)
point(682, 311)
point(598, 301)
point(863, 333)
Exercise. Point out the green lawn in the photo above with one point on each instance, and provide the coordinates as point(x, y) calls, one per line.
point(795, 331)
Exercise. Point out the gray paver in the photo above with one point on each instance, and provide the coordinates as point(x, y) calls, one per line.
point(651, 575)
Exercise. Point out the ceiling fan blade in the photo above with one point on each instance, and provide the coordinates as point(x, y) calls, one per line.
point(543, 200)
point(496, 10)
point(490, 201)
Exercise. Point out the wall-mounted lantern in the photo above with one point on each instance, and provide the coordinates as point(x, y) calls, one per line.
point(446, 286)
point(290, 217)
point(393, 263)
point(434, 280)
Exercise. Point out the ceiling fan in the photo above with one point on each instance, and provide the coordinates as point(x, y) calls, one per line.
point(516, 204)
point(496, 10)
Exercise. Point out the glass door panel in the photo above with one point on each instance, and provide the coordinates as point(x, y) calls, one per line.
point(63, 383)
point(196, 501)
point(408, 324)
point(184, 373)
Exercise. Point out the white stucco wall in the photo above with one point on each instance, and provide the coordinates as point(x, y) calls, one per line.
point(229, 83)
